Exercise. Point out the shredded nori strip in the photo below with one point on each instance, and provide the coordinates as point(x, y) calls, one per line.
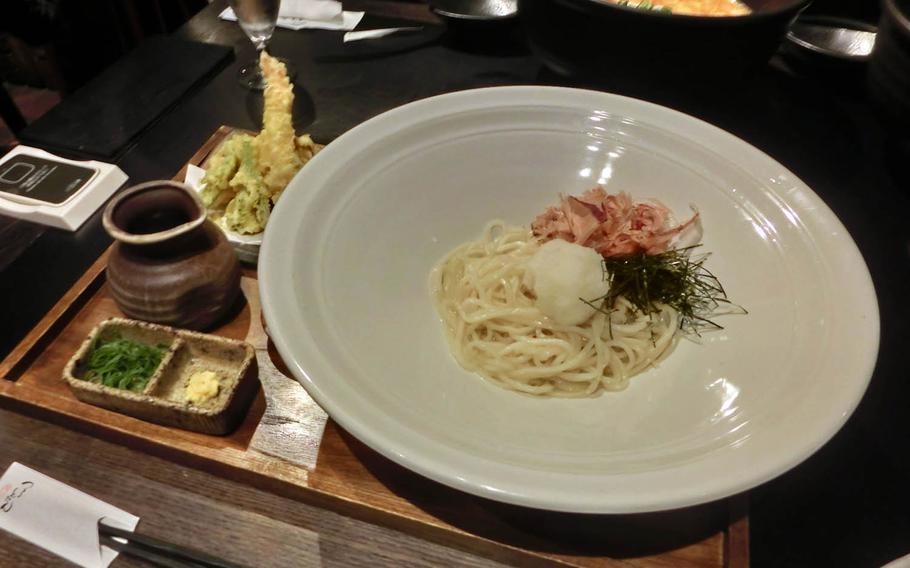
point(675, 278)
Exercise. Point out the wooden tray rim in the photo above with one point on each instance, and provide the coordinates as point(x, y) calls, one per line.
point(736, 533)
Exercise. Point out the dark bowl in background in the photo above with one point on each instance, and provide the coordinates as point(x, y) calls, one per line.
point(598, 40)
point(474, 10)
point(889, 66)
point(481, 26)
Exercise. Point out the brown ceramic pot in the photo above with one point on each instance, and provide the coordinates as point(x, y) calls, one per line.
point(170, 264)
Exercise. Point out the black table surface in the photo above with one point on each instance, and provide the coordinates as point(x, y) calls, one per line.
point(848, 504)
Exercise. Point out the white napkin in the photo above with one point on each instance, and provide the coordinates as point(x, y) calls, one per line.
point(193, 178)
point(310, 9)
point(320, 15)
point(373, 34)
point(57, 517)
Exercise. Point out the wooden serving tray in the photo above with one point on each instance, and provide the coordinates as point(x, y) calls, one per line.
point(349, 477)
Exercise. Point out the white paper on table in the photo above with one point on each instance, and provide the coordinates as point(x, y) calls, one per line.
point(57, 517)
point(310, 9)
point(344, 21)
point(373, 34)
point(77, 208)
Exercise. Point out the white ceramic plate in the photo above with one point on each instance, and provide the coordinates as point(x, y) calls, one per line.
point(343, 274)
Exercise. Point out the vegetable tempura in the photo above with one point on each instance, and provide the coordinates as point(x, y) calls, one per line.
point(247, 174)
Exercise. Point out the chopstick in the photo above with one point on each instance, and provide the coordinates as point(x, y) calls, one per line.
point(146, 554)
point(159, 552)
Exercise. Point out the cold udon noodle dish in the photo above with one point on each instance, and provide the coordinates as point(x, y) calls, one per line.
point(598, 288)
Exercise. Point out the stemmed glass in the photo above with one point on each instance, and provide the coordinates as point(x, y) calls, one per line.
point(257, 18)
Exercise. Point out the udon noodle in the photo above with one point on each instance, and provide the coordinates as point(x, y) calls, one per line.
point(495, 329)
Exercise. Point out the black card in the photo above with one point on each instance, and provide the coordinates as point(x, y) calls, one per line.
point(41, 179)
point(104, 116)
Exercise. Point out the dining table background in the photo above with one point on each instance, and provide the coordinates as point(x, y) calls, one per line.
point(847, 505)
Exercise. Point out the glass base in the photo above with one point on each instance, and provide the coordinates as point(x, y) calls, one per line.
point(250, 75)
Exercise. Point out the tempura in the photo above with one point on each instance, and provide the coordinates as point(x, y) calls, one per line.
point(248, 211)
point(246, 175)
point(278, 159)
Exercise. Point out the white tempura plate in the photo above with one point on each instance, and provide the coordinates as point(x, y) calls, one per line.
point(347, 252)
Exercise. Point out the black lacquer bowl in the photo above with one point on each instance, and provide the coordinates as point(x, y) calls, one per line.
point(889, 68)
point(603, 41)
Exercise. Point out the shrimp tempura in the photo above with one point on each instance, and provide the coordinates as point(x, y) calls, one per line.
point(277, 154)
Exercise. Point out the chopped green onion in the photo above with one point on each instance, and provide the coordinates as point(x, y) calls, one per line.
point(123, 364)
point(645, 5)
